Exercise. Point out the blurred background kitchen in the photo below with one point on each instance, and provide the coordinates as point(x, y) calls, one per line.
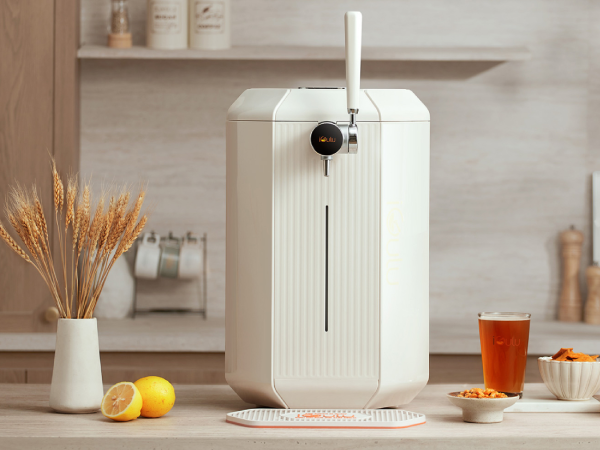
point(514, 97)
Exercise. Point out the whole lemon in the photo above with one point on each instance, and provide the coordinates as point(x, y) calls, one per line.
point(158, 396)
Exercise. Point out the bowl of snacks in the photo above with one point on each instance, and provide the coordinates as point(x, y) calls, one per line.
point(482, 405)
point(569, 375)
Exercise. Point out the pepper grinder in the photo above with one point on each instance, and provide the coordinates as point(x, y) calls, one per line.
point(571, 308)
point(592, 305)
point(119, 35)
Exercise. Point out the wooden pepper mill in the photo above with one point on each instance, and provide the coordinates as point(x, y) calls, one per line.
point(592, 305)
point(571, 307)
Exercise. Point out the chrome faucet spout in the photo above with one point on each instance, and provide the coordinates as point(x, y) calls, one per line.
point(326, 165)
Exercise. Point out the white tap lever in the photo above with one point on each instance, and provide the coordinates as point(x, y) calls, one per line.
point(353, 21)
point(329, 138)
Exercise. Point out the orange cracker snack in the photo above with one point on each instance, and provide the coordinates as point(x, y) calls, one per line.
point(561, 352)
point(567, 354)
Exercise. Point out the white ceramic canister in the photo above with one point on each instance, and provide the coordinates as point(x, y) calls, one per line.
point(77, 376)
point(167, 24)
point(210, 24)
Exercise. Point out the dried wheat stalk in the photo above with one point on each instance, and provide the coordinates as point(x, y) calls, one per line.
point(12, 244)
point(94, 240)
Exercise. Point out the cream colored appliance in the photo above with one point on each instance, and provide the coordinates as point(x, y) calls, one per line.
point(328, 244)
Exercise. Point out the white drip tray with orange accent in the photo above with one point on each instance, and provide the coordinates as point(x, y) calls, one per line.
point(326, 418)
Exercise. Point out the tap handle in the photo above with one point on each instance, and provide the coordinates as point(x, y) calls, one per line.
point(353, 21)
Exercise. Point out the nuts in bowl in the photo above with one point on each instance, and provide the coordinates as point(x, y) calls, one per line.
point(481, 393)
point(482, 405)
point(569, 375)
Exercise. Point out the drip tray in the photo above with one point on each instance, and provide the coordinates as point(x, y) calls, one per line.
point(326, 418)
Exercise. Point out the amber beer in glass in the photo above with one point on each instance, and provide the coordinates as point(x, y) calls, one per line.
point(504, 338)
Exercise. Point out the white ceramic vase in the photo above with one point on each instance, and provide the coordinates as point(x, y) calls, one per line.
point(77, 376)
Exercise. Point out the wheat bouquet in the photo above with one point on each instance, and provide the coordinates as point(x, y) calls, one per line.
point(91, 238)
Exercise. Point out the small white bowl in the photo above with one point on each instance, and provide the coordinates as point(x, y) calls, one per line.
point(569, 380)
point(483, 410)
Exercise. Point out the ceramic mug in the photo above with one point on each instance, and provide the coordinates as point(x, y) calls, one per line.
point(169, 258)
point(148, 257)
point(181, 258)
point(190, 258)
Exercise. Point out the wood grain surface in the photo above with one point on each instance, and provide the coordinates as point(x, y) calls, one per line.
point(39, 118)
point(26, 138)
point(66, 94)
point(209, 368)
point(198, 421)
point(66, 85)
point(177, 367)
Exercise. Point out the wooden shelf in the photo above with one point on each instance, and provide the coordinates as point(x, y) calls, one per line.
point(282, 53)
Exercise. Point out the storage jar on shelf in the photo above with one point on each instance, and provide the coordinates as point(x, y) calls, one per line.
point(167, 24)
point(210, 24)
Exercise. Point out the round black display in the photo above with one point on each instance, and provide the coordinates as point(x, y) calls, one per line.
point(326, 138)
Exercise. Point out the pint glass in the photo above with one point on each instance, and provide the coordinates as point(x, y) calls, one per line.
point(504, 337)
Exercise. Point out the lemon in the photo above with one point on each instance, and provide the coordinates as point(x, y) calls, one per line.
point(122, 402)
point(158, 396)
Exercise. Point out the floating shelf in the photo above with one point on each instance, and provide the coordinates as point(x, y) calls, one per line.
point(281, 53)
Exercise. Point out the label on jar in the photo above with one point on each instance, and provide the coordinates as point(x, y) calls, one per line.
point(209, 17)
point(166, 17)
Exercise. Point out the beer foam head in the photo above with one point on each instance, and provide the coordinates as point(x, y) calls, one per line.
point(509, 316)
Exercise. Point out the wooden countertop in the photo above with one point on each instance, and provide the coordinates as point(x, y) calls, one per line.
point(198, 421)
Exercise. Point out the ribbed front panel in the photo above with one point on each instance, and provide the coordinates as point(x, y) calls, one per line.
point(354, 203)
point(302, 347)
point(299, 256)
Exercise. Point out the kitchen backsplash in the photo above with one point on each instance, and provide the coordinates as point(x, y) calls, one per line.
point(512, 144)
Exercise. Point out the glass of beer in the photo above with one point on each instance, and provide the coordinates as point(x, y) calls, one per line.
point(504, 337)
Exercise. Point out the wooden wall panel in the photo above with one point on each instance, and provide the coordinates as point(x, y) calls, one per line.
point(66, 94)
point(467, 369)
point(178, 368)
point(209, 368)
point(26, 137)
point(66, 86)
point(13, 376)
point(39, 117)
point(38, 376)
